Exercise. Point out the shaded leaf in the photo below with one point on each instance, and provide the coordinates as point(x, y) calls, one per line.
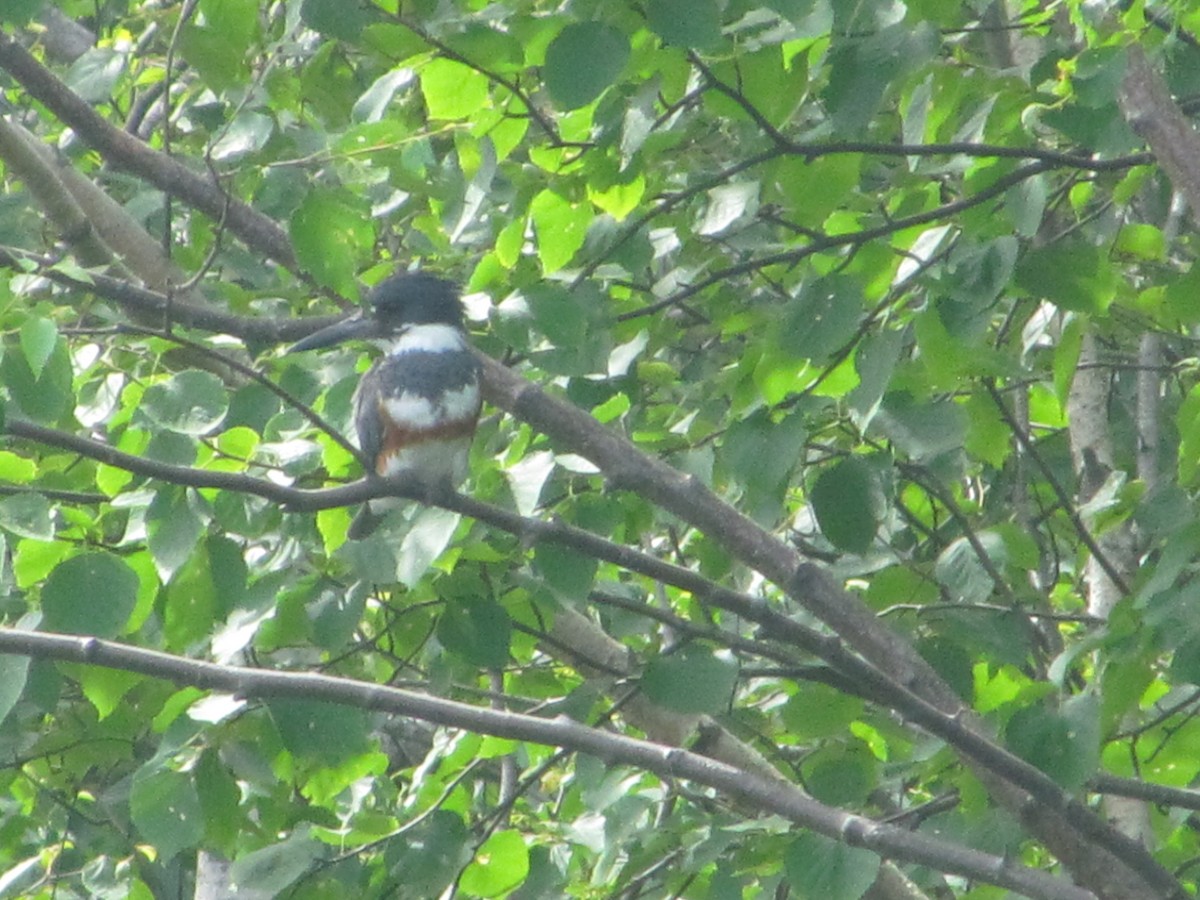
point(477, 631)
point(686, 23)
point(693, 680)
point(174, 530)
point(342, 19)
point(27, 515)
point(48, 396)
point(269, 870)
point(38, 337)
point(93, 593)
point(582, 61)
point(166, 810)
point(13, 671)
point(818, 866)
point(846, 502)
point(327, 732)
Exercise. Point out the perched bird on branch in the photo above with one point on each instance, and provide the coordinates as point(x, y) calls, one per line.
point(416, 409)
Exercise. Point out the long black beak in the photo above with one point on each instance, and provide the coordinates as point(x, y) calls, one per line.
point(357, 326)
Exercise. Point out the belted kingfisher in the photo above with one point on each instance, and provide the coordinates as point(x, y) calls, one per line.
point(416, 409)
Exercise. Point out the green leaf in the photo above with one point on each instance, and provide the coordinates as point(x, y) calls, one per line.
point(18, 12)
point(174, 530)
point(336, 612)
point(952, 661)
point(333, 235)
point(582, 61)
point(863, 66)
point(1072, 275)
point(166, 810)
point(341, 19)
point(841, 775)
point(94, 75)
point(818, 866)
point(961, 573)
point(16, 469)
point(502, 50)
point(327, 732)
point(1185, 663)
point(373, 104)
point(429, 856)
point(500, 864)
point(217, 42)
point(38, 338)
point(452, 90)
point(1065, 749)
point(429, 534)
point(686, 23)
point(818, 711)
point(192, 402)
point(248, 133)
point(815, 187)
point(923, 430)
point(13, 671)
point(219, 799)
point(478, 631)
point(846, 501)
point(989, 436)
point(760, 454)
point(48, 396)
point(93, 593)
point(268, 871)
point(105, 688)
point(559, 314)
point(1141, 241)
point(191, 607)
point(1097, 76)
point(561, 228)
point(694, 680)
point(27, 515)
point(568, 572)
point(875, 360)
point(727, 204)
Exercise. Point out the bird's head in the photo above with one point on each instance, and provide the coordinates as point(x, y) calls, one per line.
point(395, 304)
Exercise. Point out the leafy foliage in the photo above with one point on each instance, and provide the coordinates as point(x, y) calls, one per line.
point(851, 267)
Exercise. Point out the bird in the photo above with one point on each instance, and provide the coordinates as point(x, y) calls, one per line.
point(417, 407)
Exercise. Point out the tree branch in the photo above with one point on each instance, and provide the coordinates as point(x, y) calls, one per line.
point(127, 152)
point(1151, 112)
point(669, 762)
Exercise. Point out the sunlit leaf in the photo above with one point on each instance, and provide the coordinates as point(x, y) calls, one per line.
point(500, 864)
point(452, 90)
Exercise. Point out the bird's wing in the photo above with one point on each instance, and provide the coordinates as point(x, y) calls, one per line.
point(367, 421)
